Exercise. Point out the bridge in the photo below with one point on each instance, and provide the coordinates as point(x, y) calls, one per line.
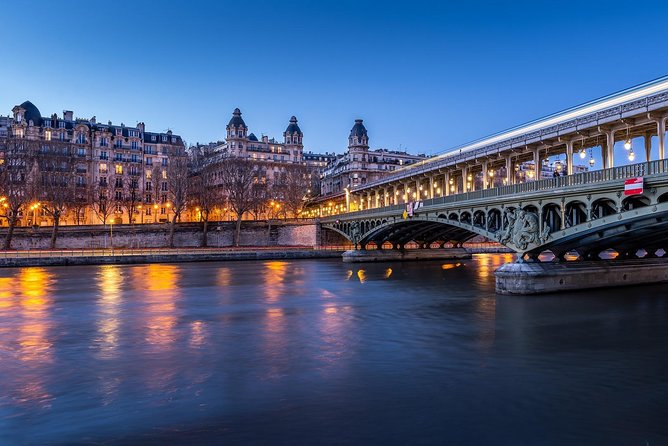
point(477, 189)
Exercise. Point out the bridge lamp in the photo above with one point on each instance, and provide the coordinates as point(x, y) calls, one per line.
point(452, 188)
point(627, 144)
point(420, 187)
point(591, 161)
point(632, 155)
point(469, 177)
point(451, 182)
point(558, 166)
point(491, 173)
point(582, 154)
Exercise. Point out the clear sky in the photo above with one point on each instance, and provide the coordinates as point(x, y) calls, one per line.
point(424, 75)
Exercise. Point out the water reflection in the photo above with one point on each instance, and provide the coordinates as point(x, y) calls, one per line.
point(109, 283)
point(274, 280)
point(35, 348)
point(161, 293)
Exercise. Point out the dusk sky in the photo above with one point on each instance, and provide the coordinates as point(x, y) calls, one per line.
point(424, 75)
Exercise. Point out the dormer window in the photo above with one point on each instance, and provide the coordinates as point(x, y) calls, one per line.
point(164, 138)
point(119, 132)
point(61, 124)
point(154, 138)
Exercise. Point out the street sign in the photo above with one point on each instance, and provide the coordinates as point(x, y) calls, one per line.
point(633, 186)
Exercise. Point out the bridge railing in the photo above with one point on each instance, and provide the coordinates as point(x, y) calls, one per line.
point(579, 179)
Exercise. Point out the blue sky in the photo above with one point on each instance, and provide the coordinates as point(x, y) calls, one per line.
point(424, 75)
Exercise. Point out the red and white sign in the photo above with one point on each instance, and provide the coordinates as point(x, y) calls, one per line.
point(633, 186)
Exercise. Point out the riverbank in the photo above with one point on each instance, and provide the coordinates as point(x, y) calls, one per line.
point(10, 259)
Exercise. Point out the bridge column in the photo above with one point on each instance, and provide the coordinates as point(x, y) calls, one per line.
point(609, 149)
point(569, 157)
point(431, 187)
point(378, 191)
point(536, 163)
point(661, 130)
point(509, 170)
point(648, 146)
point(347, 200)
point(465, 177)
point(446, 184)
point(418, 192)
point(484, 174)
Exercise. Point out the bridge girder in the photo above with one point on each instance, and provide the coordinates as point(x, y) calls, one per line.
point(585, 219)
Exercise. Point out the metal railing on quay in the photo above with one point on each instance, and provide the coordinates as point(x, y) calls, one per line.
point(125, 252)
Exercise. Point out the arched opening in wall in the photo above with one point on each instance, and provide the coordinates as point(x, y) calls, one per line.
point(635, 202)
point(371, 246)
point(602, 208)
point(434, 245)
point(387, 245)
point(662, 198)
point(576, 213)
point(442, 216)
point(531, 208)
point(465, 217)
point(411, 245)
point(552, 216)
point(479, 219)
point(453, 216)
point(494, 220)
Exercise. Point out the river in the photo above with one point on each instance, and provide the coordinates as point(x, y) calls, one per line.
point(321, 352)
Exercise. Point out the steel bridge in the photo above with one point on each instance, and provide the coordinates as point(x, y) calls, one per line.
point(585, 213)
point(476, 189)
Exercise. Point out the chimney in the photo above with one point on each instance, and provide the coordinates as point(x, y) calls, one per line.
point(68, 115)
point(141, 127)
point(93, 120)
point(265, 139)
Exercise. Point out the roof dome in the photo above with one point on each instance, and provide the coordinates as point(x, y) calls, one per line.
point(358, 129)
point(236, 121)
point(32, 113)
point(252, 137)
point(293, 127)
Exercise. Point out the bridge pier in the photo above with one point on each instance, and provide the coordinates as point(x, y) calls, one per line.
point(540, 278)
point(390, 255)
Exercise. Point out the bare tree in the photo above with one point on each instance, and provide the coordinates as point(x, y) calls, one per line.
point(17, 176)
point(177, 187)
point(292, 187)
point(102, 205)
point(239, 181)
point(56, 188)
point(204, 194)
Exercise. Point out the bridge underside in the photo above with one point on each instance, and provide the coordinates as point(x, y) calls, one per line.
point(626, 233)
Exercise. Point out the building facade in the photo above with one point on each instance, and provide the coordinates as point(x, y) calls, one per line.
point(360, 165)
point(121, 169)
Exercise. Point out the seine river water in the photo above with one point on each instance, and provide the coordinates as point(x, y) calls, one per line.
point(322, 352)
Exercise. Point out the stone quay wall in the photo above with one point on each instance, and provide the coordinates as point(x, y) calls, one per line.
point(187, 235)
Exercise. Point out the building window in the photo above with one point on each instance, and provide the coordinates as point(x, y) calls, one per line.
point(103, 181)
point(135, 145)
point(119, 169)
point(104, 142)
point(149, 161)
point(164, 174)
point(103, 167)
point(47, 135)
point(81, 139)
point(149, 173)
point(154, 138)
point(119, 182)
point(164, 161)
point(61, 124)
point(149, 185)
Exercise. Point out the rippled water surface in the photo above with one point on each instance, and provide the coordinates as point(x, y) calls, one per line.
point(321, 352)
